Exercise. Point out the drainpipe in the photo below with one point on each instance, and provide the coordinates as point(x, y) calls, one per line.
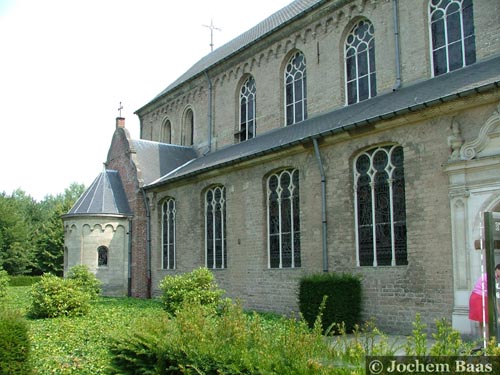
point(324, 229)
point(148, 243)
point(209, 113)
point(129, 268)
point(395, 17)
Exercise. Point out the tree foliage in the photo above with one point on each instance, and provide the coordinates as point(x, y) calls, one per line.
point(32, 233)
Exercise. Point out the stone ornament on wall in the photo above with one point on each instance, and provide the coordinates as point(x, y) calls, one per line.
point(487, 142)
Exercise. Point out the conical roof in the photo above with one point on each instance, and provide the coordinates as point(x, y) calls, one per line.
point(105, 197)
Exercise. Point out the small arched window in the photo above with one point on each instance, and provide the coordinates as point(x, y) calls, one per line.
point(166, 132)
point(188, 128)
point(247, 109)
point(380, 207)
point(295, 89)
point(361, 83)
point(215, 227)
point(283, 219)
point(452, 35)
point(102, 256)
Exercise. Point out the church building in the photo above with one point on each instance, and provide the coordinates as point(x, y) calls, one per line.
point(358, 136)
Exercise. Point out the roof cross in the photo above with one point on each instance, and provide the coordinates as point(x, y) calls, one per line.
point(212, 28)
point(120, 109)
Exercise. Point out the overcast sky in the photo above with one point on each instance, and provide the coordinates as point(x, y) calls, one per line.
point(65, 65)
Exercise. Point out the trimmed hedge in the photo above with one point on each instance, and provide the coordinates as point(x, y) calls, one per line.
point(343, 299)
point(14, 344)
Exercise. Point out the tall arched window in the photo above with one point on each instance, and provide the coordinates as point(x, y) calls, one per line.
point(166, 132)
point(283, 219)
point(247, 109)
point(361, 80)
point(215, 228)
point(102, 256)
point(452, 35)
point(188, 128)
point(168, 234)
point(380, 207)
point(295, 89)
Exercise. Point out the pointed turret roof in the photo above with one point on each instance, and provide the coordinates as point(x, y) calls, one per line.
point(105, 197)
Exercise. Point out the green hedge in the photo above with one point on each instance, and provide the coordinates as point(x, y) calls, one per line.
point(343, 299)
point(23, 280)
point(14, 344)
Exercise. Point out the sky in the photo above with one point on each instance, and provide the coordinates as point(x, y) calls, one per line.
point(65, 66)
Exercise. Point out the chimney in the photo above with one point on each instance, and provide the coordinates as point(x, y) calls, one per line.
point(120, 122)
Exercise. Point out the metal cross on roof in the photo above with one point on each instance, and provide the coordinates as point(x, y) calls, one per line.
point(212, 28)
point(120, 109)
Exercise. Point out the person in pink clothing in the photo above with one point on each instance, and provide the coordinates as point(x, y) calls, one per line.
point(479, 291)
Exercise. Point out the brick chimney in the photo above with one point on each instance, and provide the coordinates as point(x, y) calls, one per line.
point(120, 122)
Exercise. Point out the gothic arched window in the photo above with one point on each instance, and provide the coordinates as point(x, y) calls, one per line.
point(295, 89)
point(452, 35)
point(215, 227)
point(283, 219)
point(102, 256)
point(361, 82)
point(380, 207)
point(247, 109)
point(168, 234)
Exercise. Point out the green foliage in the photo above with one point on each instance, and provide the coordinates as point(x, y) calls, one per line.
point(14, 344)
point(343, 303)
point(24, 280)
point(199, 341)
point(4, 282)
point(53, 296)
point(196, 286)
point(85, 280)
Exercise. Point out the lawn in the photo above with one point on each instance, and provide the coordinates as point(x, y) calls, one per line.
point(79, 345)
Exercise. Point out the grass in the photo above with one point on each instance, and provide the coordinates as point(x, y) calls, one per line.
point(78, 345)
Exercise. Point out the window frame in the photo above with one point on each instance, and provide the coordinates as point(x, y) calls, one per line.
point(395, 184)
point(169, 246)
point(247, 109)
point(216, 219)
point(100, 256)
point(370, 71)
point(297, 73)
point(467, 42)
point(278, 220)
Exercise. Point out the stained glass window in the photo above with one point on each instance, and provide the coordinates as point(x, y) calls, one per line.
point(452, 35)
point(380, 207)
point(247, 110)
point(102, 256)
point(215, 227)
point(283, 219)
point(361, 82)
point(295, 89)
point(188, 128)
point(168, 234)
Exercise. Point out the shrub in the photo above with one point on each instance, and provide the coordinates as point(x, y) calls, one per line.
point(343, 302)
point(54, 296)
point(86, 280)
point(4, 282)
point(196, 286)
point(14, 344)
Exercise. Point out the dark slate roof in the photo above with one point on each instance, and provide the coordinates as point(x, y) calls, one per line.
point(156, 159)
point(105, 196)
point(476, 78)
point(277, 20)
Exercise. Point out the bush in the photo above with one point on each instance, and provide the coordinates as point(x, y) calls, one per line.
point(53, 296)
point(86, 280)
point(14, 344)
point(196, 286)
point(343, 299)
point(4, 282)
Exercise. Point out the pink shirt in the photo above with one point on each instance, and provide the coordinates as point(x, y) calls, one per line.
point(478, 287)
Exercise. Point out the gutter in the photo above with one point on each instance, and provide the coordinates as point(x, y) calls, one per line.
point(397, 53)
point(210, 125)
point(324, 228)
point(129, 266)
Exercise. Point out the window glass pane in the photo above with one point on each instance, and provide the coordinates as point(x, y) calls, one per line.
point(352, 93)
point(363, 88)
point(470, 50)
point(454, 27)
point(438, 35)
point(440, 62)
point(455, 56)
